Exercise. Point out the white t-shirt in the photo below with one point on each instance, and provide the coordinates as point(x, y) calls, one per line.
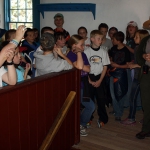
point(97, 59)
point(2, 72)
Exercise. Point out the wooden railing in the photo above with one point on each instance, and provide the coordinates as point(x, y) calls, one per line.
point(28, 110)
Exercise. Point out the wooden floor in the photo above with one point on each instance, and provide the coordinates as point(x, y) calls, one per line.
point(114, 136)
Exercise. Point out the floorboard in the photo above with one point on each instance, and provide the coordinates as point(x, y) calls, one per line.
point(113, 135)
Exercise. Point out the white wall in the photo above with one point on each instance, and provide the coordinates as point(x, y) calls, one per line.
point(1, 14)
point(113, 12)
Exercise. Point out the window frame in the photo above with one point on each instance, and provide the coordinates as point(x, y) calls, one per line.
point(35, 12)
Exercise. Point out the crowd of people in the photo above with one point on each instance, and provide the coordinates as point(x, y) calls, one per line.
point(112, 70)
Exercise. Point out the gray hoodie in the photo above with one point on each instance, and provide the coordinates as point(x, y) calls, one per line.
point(48, 63)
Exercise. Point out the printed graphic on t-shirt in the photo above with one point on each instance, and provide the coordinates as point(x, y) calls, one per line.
point(95, 59)
point(119, 57)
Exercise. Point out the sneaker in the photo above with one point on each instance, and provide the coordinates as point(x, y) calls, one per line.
point(100, 123)
point(83, 131)
point(89, 124)
point(128, 121)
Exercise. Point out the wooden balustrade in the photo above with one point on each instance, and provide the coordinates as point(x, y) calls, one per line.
point(28, 110)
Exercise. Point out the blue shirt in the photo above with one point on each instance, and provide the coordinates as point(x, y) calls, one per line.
point(20, 75)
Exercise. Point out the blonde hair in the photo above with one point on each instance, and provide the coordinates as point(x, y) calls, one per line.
point(95, 32)
point(74, 39)
point(142, 33)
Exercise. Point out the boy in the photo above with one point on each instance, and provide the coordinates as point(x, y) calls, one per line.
point(98, 59)
point(45, 29)
point(112, 31)
point(59, 21)
point(31, 46)
point(45, 61)
point(107, 44)
point(119, 56)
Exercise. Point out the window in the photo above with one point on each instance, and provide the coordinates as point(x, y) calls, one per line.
point(18, 12)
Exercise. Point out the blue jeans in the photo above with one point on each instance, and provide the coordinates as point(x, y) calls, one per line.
point(135, 90)
point(118, 106)
point(127, 96)
point(87, 111)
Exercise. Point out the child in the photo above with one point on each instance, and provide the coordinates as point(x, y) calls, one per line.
point(135, 89)
point(82, 31)
point(79, 60)
point(7, 53)
point(61, 42)
point(98, 59)
point(36, 34)
point(107, 44)
point(130, 33)
point(59, 21)
point(112, 31)
point(131, 29)
point(2, 35)
point(8, 76)
point(31, 46)
point(119, 56)
point(43, 30)
point(10, 34)
point(143, 59)
point(21, 73)
point(45, 61)
point(47, 29)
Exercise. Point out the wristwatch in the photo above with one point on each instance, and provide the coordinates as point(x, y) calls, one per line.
point(9, 63)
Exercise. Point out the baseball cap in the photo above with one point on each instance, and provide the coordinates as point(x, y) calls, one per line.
point(132, 23)
point(59, 15)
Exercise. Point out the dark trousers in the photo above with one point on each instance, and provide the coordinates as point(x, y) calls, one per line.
point(99, 94)
point(145, 96)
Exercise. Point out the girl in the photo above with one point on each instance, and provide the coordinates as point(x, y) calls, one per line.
point(80, 61)
point(21, 73)
point(82, 31)
point(135, 89)
point(10, 35)
point(7, 53)
point(131, 29)
point(130, 33)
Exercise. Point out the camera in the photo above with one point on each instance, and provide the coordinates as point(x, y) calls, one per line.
point(145, 69)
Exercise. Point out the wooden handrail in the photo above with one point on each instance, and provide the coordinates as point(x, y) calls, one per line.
point(58, 121)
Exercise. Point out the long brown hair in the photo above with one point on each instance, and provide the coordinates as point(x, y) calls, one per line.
point(127, 33)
